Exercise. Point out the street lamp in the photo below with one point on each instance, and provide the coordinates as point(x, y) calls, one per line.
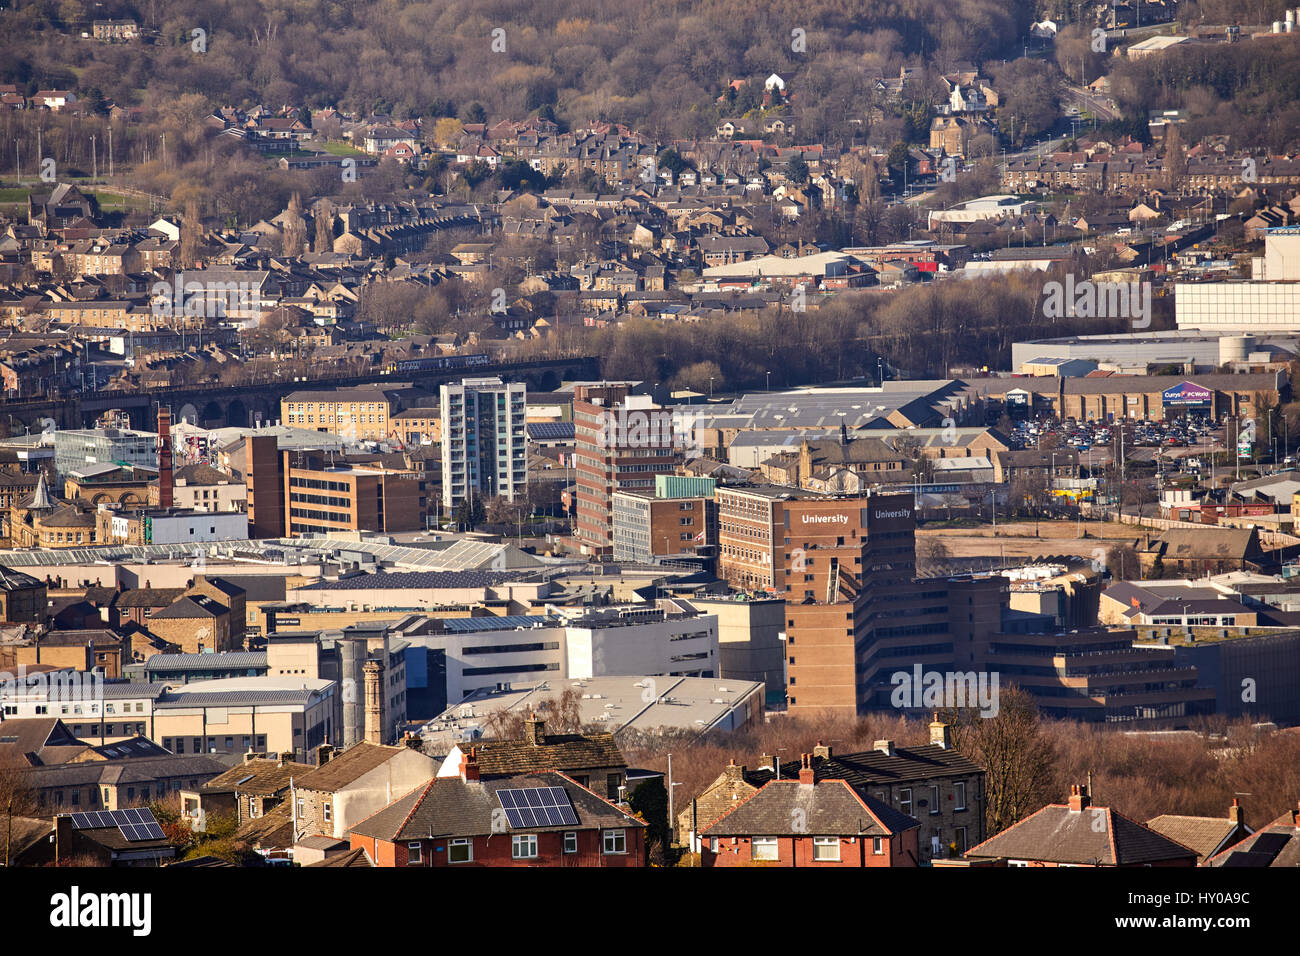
point(769, 380)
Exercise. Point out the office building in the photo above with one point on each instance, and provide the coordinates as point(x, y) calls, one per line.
point(622, 442)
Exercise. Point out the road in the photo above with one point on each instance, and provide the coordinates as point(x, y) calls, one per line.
point(1087, 101)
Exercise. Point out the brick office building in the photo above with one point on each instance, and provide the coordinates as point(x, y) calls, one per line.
point(645, 526)
point(321, 498)
point(621, 442)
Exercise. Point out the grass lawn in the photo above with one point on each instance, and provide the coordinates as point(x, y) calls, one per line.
point(339, 149)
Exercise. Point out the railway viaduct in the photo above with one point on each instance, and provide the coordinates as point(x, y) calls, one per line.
point(217, 406)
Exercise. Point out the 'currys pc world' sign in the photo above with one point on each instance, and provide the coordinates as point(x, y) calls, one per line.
point(1186, 394)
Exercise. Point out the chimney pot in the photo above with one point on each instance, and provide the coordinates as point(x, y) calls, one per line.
point(469, 766)
point(1079, 799)
point(806, 773)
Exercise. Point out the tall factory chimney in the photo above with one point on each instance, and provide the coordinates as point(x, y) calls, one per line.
point(165, 496)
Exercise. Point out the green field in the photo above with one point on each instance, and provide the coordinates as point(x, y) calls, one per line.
point(339, 149)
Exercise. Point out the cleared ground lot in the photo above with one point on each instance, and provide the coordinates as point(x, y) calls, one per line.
point(1017, 538)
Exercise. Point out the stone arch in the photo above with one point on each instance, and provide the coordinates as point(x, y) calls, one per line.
point(213, 417)
point(237, 414)
point(129, 498)
point(100, 498)
point(188, 413)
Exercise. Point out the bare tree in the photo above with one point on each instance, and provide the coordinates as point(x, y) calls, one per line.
point(18, 800)
point(1017, 759)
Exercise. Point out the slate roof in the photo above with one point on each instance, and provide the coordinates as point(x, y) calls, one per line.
point(450, 806)
point(117, 772)
point(352, 858)
point(558, 752)
point(873, 767)
point(1277, 844)
point(344, 768)
point(192, 606)
point(33, 735)
point(829, 808)
point(1094, 835)
point(272, 830)
point(147, 597)
point(1202, 834)
point(261, 777)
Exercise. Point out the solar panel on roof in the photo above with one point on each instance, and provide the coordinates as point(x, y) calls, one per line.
point(1270, 844)
point(537, 807)
point(79, 821)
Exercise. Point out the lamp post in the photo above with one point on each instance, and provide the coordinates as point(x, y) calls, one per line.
point(769, 380)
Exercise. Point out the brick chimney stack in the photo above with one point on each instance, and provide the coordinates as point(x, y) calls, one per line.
point(165, 483)
point(1079, 798)
point(374, 707)
point(886, 747)
point(806, 775)
point(822, 750)
point(1235, 813)
point(469, 766)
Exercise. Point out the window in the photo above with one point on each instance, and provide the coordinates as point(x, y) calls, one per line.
point(878, 846)
point(1017, 862)
point(412, 853)
point(460, 850)
point(935, 804)
point(571, 842)
point(615, 841)
point(252, 807)
point(959, 837)
point(905, 800)
point(764, 848)
point(302, 807)
point(826, 848)
point(328, 810)
point(959, 796)
point(523, 846)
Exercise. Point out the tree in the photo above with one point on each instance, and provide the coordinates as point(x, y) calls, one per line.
point(1122, 562)
point(797, 171)
point(17, 799)
point(1017, 758)
point(932, 549)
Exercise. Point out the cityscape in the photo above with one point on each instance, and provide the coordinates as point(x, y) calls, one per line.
point(770, 436)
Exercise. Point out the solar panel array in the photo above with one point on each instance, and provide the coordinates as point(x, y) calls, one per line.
point(135, 824)
point(507, 622)
point(538, 807)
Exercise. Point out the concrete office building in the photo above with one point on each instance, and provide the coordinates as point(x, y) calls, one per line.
point(697, 705)
point(484, 445)
point(78, 447)
point(751, 639)
point(1267, 302)
point(465, 655)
